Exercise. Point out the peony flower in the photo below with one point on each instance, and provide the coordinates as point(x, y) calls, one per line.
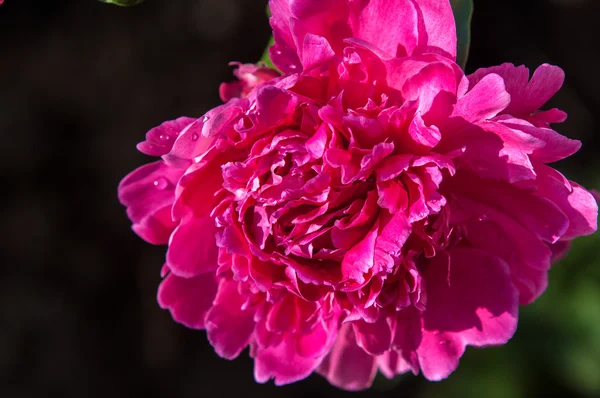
point(373, 209)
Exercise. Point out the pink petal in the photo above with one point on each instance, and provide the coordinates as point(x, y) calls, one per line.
point(485, 100)
point(148, 189)
point(160, 139)
point(394, 231)
point(283, 53)
point(417, 27)
point(423, 137)
point(437, 30)
point(157, 228)
point(188, 300)
point(398, 16)
point(526, 96)
point(348, 366)
point(374, 338)
point(196, 190)
point(149, 193)
point(546, 118)
point(317, 51)
point(392, 196)
point(539, 215)
point(555, 146)
point(315, 145)
point(434, 87)
point(575, 201)
point(403, 356)
point(229, 327)
point(477, 305)
point(297, 355)
point(359, 260)
point(283, 361)
point(193, 250)
point(527, 257)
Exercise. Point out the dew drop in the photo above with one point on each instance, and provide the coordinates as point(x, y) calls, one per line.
point(194, 137)
point(164, 137)
point(205, 119)
point(277, 52)
point(292, 67)
point(161, 183)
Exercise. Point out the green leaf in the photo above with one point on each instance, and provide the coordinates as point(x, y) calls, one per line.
point(463, 14)
point(123, 3)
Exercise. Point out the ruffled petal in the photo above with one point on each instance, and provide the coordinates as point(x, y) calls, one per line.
point(526, 96)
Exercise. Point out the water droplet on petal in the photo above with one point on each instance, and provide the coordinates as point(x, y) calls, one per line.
point(194, 137)
point(161, 183)
point(164, 137)
point(292, 67)
point(205, 119)
point(277, 52)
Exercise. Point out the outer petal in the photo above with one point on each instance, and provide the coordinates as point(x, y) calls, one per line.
point(400, 18)
point(575, 201)
point(148, 193)
point(228, 326)
point(539, 215)
point(193, 249)
point(554, 146)
point(160, 139)
point(528, 258)
point(437, 30)
point(475, 305)
point(403, 357)
point(526, 97)
point(157, 228)
point(283, 53)
point(296, 356)
point(414, 27)
point(188, 300)
point(348, 366)
point(374, 338)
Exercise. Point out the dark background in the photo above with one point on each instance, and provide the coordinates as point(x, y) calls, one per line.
point(80, 84)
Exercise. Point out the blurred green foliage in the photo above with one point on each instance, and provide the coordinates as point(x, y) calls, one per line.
point(463, 14)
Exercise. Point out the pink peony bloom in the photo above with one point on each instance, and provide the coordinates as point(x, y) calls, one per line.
point(374, 209)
